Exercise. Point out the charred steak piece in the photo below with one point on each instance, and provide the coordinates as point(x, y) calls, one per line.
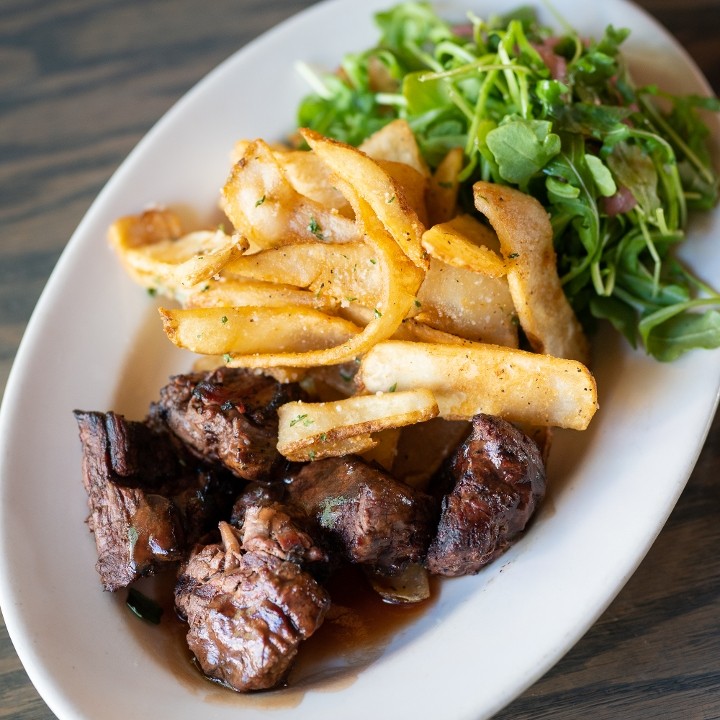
point(374, 518)
point(124, 463)
point(247, 613)
point(228, 415)
point(204, 497)
point(268, 525)
point(499, 479)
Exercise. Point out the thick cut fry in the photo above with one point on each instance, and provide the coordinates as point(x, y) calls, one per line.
point(400, 283)
point(410, 585)
point(311, 178)
point(240, 292)
point(347, 272)
point(467, 304)
point(396, 142)
point(526, 240)
point(352, 445)
point(226, 330)
point(413, 184)
point(442, 195)
point(385, 450)
point(147, 228)
point(264, 207)
point(373, 185)
point(315, 425)
point(306, 173)
point(465, 242)
point(516, 385)
point(178, 265)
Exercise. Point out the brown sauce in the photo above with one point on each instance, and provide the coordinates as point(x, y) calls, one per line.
point(356, 631)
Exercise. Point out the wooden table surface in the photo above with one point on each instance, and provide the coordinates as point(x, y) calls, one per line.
point(81, 82)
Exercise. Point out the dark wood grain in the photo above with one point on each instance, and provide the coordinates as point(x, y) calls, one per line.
point(81, 82)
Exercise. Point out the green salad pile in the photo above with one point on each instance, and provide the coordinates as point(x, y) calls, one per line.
point(617, 167)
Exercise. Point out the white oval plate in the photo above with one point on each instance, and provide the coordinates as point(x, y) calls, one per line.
point(94, 342)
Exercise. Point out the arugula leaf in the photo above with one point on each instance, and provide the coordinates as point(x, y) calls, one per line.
point(521, 148)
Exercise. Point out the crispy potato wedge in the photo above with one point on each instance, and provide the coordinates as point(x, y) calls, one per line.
point(146, 228)
point(305, 172)
point(241, 292)
point(465, 242)
point(347, 272)
point(526, 240)
point(519, 386)
point(385, 449)
point(396, 142)
point(357, 174)
point(351, 445)
point(413, 184)
point(180, 264)
point(244, 330)
point(312, 179)
point(320, 425)
point(264, 207)
point(442, 195)
point(400, 282)
point(410, 585)
point(468, 304)
point(205, 363)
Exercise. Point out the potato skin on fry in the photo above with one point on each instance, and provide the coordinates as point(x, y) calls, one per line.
point(526, 241)
point(474, 378)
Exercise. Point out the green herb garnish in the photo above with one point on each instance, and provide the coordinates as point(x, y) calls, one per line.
point(314, 228)
point(143, 606)
point(304, 419)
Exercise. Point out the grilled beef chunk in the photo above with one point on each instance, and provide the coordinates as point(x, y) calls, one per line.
point(270, 526)
point(204, 496)
point(247, 612)
point(373, 518)
point(124, 464)
point(227, 415)
point(499, 479)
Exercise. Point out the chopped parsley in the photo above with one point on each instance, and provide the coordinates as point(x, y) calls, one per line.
point(315, 229)
point(304, 419)
point(143, 606)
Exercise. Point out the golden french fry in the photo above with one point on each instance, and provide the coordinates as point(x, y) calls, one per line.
point(352, 445)
point(396, 142)
point(526, 240)
point(413, 184)
point(357, 174)
point(467, 304)
point(241, 292)
point(206, 363)
point(400, 282)
point(315, 425)
point(264, 207)
point(514, 384)
point(409, 585)
point(245, 330)
point(146, 228)
point(180, 264)
point(442, 196)
point(465, 242)
point(414, 331)
point(385, 449)
point(346, 272)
